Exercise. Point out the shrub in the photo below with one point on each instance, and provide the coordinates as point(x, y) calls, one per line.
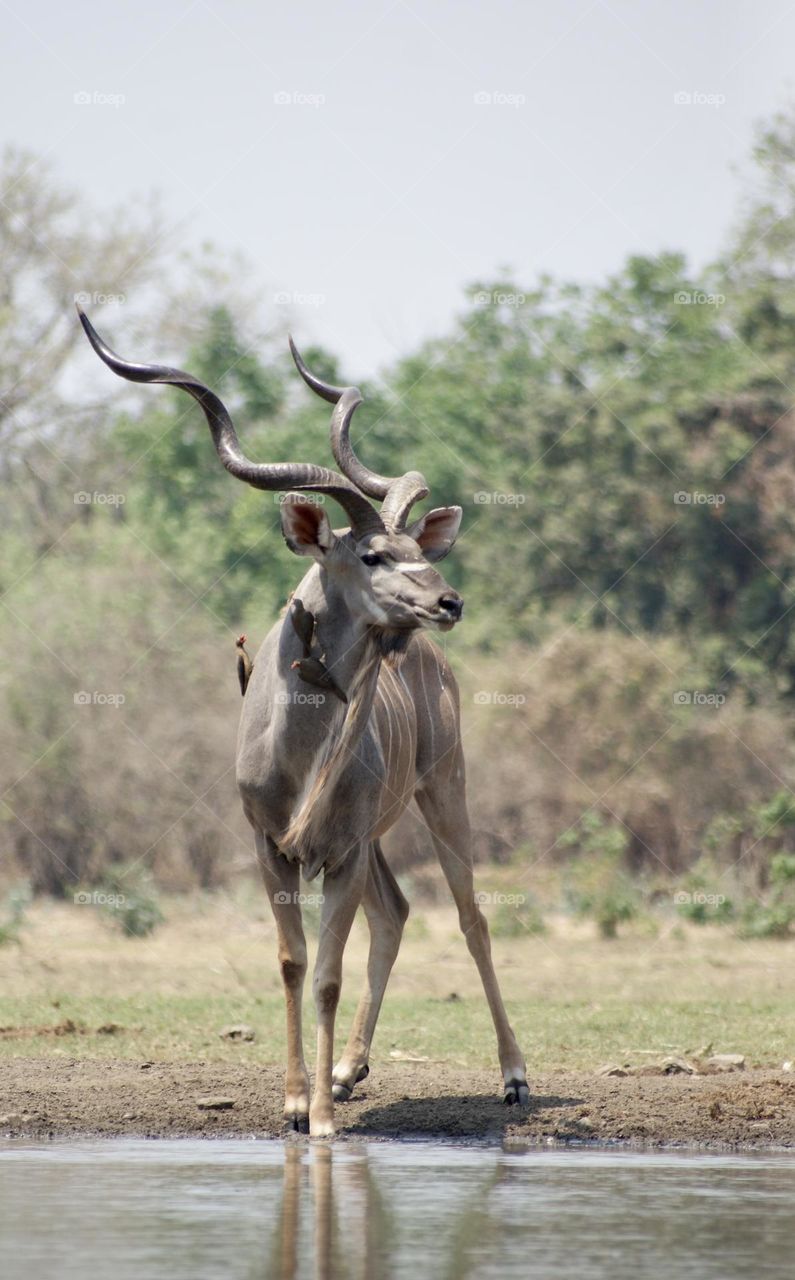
point(14, 915)
point(513, 919)
point(698, 900)
point(589, 715)
point(598, 884)
point(131, 904)
point(774, 915)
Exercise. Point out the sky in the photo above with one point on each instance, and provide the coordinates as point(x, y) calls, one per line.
point(372, 158)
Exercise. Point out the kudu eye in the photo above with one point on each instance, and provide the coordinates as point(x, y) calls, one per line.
point(371, 559)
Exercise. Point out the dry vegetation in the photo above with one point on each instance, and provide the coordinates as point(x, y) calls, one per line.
point(150, 783)
point(74, 986)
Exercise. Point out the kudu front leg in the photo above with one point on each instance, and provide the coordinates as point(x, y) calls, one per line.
point(342, 893)
point(282, 884)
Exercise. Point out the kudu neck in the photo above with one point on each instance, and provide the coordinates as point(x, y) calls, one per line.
point(340, 634)
point(351, 655)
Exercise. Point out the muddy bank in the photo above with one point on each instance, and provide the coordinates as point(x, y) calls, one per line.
point(62, 1097)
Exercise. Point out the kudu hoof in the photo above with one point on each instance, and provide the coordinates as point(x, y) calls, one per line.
point(344, 1092)
point(517, 1094)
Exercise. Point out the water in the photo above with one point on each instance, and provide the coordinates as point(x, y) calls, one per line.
point(142, 1210)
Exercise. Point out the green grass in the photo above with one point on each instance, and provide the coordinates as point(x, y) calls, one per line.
point(575, 1000)
point(554, 1035)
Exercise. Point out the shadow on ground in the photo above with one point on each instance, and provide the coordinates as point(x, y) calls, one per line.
point(463, 1115)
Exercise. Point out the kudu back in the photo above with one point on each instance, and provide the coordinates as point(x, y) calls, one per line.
point(350, 712)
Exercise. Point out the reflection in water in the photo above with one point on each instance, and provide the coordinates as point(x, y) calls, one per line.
point(301, 1210)
point(352, 1229)
point(350, 1223)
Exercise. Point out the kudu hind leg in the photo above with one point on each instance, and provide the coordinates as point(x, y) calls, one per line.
point(386, 910)
point(444, 810)
point(282, 882)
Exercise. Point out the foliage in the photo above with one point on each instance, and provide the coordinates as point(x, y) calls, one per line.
point(599, 885)
point(773, 916)
point(16, 903)
point(516, 914)
point(127, 899)
point(701, 899)
point(776, 818)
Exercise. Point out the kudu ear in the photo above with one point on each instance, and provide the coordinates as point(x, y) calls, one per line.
point(305, 526)
point(436, 531)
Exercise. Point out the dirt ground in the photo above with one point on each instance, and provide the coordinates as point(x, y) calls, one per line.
point(113, 1097)
point(101, 1034)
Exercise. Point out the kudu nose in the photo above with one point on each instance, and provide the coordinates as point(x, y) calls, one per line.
point(452, 603)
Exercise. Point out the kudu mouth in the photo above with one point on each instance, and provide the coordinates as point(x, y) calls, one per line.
point(445, 617)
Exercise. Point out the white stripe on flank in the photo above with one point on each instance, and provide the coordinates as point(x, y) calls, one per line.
point(408, 706)
point(429, 718)
point(388, 753)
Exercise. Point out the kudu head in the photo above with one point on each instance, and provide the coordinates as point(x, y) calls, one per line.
point(383, 566)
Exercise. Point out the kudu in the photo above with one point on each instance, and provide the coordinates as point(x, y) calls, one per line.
point(321, 779)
